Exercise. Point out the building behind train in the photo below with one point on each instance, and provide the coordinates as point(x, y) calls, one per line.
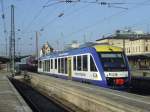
point(136, 45)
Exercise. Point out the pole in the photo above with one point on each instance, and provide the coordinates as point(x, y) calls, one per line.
point(12, 43)
point(37, 44)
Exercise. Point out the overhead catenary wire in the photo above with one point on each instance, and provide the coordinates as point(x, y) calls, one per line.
point(51, 21)
point(106, 18)
point(36, 16)
point(40, 11)
point(63, 13)
point(54, 2)
point(55, 18)
point(75, 1)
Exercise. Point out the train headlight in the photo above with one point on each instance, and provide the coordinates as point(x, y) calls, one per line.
point(95, 75)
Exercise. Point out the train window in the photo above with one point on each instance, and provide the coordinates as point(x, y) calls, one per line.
point(43, 65)
point(40, 64)
point(62, 65)
point(59, 65)
point(65, 65)
point(48, 65)
point(79, 63)
point(85, 63)
point(55, 63)
point(51, 63)
point(92, 64)
point(74, 63)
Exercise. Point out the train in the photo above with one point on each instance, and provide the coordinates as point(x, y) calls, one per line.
point(103, 65)
point(28, 63)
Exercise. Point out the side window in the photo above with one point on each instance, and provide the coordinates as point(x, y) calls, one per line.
point(74, 63)
point(48, 65)
point(51, 63)
point(55, 63)
point(62, 65)
point(65, 65)
point(59, 65)
point(85, 63)
point(79, 63)
point(92, 65)
point(40, 63)
point(43, 66)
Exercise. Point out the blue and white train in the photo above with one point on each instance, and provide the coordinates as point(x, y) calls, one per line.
point(102, 65)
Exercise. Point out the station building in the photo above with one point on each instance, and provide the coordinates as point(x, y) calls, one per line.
point(136, 45)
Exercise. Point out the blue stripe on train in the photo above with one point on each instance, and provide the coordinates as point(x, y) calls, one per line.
point(95, 82)
point(99, 65)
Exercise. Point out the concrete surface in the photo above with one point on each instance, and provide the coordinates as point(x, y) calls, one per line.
point(10, 99)
point(88, 97)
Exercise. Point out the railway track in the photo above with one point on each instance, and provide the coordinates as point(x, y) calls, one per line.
point(35, 100)
point(140, 85)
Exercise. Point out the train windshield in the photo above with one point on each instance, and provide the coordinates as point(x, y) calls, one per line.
point(113, 61)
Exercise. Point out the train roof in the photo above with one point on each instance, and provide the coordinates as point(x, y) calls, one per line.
point(82, 50)
point(107, 48)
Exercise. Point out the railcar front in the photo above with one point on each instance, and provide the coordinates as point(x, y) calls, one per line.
point(115, 66)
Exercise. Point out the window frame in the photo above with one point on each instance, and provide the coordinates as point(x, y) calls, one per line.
point(83, 62)
point(95, 68)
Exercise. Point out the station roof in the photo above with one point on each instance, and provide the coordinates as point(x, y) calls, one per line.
point(4, 59)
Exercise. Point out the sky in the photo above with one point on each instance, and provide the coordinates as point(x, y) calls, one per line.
point(81, 21)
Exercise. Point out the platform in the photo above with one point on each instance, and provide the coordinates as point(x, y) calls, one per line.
point(10, 99)
point(90, 98)
point(140, 73)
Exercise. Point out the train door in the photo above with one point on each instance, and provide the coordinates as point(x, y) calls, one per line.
point(69, 63)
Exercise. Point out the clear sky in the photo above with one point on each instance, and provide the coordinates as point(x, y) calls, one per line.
point(81, 21)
